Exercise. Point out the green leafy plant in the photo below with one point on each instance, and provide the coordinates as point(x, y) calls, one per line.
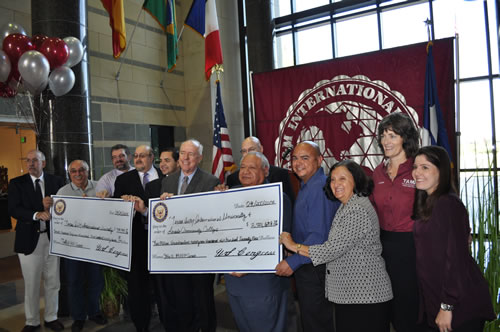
point(115, 288)
point(478, 194)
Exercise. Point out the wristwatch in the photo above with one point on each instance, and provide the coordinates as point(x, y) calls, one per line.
point(446, 307)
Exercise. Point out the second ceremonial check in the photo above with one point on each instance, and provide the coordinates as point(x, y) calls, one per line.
point(221, 231)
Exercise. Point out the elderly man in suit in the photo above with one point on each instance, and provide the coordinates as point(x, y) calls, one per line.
point(29, 203)
point(259, 300)
point(132, 183)
point(194, 293)
point(276, 174)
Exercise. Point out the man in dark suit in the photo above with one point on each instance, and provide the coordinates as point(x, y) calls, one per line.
point(29, 203)
point(163, 285)
point(168, 164)
point(132, 183)
point(259, 300)
point(193, 293)
point(276, 174)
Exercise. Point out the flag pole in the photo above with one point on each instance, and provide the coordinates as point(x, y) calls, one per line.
point(117, 76)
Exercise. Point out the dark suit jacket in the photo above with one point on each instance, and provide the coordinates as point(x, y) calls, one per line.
point(23, 204)
point(202, 181)
point(276, 174)
point(129, 183)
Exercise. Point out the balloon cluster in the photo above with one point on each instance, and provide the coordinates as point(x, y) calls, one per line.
point(33, 63)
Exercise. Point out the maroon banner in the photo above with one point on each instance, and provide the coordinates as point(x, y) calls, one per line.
point(339, 103)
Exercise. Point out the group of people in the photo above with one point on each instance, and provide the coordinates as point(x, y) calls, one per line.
point(365, 252)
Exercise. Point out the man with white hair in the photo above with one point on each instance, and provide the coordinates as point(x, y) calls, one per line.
point(275, 174)
point(29, 203)
point(85, 280)
point(193, 294)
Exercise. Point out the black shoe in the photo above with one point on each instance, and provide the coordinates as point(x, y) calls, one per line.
point(77, 325)
point(55, 325)
point(99, 319)
point(30, 328)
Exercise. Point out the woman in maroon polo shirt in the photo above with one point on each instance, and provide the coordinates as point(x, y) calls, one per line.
point(393, 197)
point(454, 294)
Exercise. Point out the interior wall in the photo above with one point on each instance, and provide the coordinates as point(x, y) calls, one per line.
point(122, 110)
point(13, 151)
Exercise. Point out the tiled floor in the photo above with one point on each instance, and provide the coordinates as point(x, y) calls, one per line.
point(12, 307)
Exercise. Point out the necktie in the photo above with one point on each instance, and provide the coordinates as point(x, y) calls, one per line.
point(145, 180)
point(184, 185)
point(38, 189)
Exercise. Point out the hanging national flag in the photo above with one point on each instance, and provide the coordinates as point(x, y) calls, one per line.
point(434, 132)
point(202, 18)
point(222, 155)
point(163, 12)
point(117, 23)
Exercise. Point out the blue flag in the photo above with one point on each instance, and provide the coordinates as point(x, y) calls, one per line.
point(196, 17)
point(435, 128)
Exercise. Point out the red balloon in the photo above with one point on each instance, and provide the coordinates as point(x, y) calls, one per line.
point(37, 41)
point(56, 51)
point(15, 45)
point(6, 91)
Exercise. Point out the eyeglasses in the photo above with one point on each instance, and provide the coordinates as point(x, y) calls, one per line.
point(142, 155)
point(252, 149)
point(80, 170)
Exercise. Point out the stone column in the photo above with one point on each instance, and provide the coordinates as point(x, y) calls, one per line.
point(64, 122)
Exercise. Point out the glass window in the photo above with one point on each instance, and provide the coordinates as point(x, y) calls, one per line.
point(492, 17)
point(314, 44)
point(357, 35)
point(404, 26)
point(281, 8)
point(284, 50)
point(475, 112)
point(301, 5)
point(445, 18)
point(472, 39)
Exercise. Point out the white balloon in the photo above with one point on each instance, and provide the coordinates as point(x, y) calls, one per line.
point(34, 69)
point(75, 51)
point(10, 28)
point(61, 80)
point(5, 66)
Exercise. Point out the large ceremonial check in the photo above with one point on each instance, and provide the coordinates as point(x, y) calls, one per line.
point(220, 231)
point(92, 229)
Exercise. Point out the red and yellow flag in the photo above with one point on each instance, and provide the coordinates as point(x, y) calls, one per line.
point(117, 23)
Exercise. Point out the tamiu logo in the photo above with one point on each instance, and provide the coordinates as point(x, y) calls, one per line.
point(340, 115)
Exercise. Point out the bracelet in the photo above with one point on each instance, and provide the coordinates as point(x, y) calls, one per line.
point(446, 307)
point(298, 248)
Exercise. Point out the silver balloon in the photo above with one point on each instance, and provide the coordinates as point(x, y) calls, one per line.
point(10, 28)
point(61, 80)
point(5, 66)
point(36, 90)
point(34, 69)
point(75, 51)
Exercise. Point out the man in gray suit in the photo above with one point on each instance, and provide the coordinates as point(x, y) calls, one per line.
point(193, 294)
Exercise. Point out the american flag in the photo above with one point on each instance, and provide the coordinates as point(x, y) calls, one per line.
point(222, 153)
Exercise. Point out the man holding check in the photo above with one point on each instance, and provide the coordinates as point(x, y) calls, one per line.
point(259, 300)
point(85, 280)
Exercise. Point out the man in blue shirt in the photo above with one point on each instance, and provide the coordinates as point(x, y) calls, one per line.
point(312, 217)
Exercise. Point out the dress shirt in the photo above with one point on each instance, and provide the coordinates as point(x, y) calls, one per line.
point(152, 175)
point(312, 216)
point(71, 190)
point(393, 200)
point(42, 186)
point(107, 181)
point(181, 178)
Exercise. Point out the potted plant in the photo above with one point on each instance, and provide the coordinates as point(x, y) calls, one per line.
point(115, 289)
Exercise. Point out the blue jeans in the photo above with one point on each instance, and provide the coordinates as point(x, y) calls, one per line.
point(85, 284)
